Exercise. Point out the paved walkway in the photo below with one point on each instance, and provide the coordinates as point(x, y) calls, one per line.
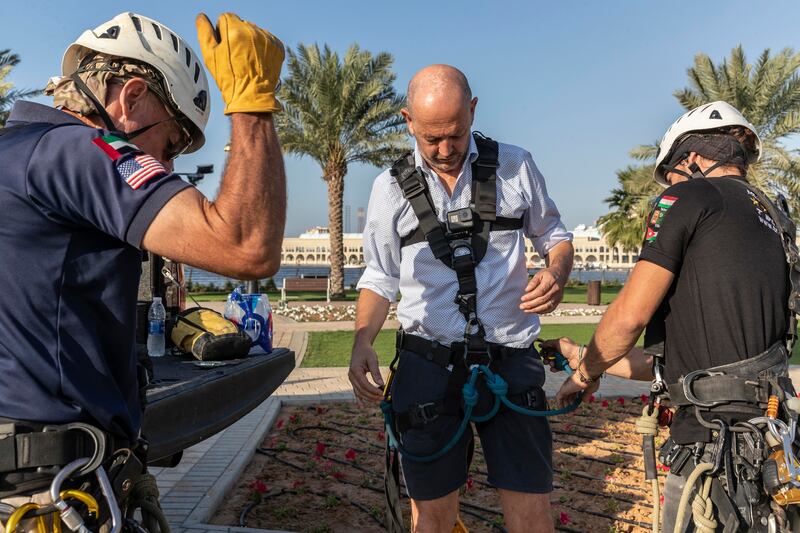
point(192, 491)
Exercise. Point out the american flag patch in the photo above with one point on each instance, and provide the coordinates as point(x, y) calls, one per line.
point(139, 169)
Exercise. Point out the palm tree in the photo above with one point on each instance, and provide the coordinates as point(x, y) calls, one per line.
point(630, 204)
point(340, 112)
point(8, 95)
point(767, 94)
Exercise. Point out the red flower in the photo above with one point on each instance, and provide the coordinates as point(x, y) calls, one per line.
point(319, 449)
point(591, 398)
point(568, 427)
point(663, 468)
point(337, 475)
point(604, 403)
point(470, 483)
point(279, 424)
point(644, 398)
point(381, 436)
point(321, 410)
point(293, 419)
point(661, 499)
point(258, 486)
point(298, 483)
point(350, 455)
point(621, 401)
point(563, 518)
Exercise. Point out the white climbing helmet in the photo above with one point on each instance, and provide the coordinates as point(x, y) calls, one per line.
point(706, 117)
point(141, 38)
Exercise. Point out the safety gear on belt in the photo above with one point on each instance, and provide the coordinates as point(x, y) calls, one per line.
point(209, 336)
point(245, 61)
point(707, 117)
point(137, 37)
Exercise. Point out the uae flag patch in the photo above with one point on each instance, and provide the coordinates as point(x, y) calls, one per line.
point(139, 169)
point(114, 147)
point(657, 217)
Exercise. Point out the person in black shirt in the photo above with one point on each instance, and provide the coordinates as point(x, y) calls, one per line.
point(711, 286)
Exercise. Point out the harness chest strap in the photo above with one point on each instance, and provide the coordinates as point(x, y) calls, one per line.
point(445, 247)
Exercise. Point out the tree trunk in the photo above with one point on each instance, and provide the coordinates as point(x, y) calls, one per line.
point(335, 200)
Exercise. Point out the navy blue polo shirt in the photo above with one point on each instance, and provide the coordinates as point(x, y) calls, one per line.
point(75, 202)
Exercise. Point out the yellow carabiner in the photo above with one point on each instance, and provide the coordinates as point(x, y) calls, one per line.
point(18, 515)
point(87, 499)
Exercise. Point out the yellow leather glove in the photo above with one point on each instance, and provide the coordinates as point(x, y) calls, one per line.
point(245, 61)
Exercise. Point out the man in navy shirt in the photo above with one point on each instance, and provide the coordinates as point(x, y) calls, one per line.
point(88, 185)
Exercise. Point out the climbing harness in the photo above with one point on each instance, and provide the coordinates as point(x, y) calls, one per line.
point(107, 487)
point(460, 242)
point(750, 474)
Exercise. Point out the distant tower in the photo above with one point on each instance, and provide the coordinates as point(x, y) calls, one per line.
point(362, 219)
point(347, 219)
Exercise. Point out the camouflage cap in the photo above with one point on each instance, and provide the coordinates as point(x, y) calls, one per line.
point(97, 71)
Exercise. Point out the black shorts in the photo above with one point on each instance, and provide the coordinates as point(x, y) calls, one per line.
point(518, 448)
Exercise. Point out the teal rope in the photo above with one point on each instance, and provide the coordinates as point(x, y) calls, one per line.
point(499, 389)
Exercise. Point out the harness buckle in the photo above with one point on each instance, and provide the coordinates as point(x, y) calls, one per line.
point(412, 185)
point(474, 357)
point(687, 388)
point(425, 413)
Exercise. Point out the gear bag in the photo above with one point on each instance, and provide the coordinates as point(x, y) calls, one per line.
point(209, 336)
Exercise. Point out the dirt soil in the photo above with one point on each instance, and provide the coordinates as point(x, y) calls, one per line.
point(320, 469)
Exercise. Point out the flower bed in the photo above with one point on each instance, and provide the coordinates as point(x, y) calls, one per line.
point(337, 313)
point(321, 469)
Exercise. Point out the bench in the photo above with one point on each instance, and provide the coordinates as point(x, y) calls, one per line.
point(305, 285)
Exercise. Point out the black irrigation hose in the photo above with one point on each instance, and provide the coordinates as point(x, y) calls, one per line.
point(468, 507)
point(599, 447)
point(322, 456)
point(366, 441)
point(595, 459)
point(282, 491)
point(479, 516)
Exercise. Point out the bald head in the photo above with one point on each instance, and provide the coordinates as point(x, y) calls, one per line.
point(439, 116)
point(435, 85)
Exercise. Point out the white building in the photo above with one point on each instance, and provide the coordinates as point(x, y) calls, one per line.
point(312, 248)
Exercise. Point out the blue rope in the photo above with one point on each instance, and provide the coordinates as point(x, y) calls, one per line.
point(499, 389)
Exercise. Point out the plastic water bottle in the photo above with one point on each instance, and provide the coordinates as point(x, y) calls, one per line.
point(155, 328)
point(265, 311)
point(235, 308)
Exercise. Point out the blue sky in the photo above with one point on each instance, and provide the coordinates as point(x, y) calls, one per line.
point(577, 83)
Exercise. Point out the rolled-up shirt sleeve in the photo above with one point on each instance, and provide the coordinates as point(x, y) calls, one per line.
point(381, 241)
point(542, 221)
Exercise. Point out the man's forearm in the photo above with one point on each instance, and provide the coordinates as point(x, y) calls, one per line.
point(371, 312)
point(559, 260)
point(635, 365)
point(252, 197)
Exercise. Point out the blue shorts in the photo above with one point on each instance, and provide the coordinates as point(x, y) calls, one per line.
point(518, 448)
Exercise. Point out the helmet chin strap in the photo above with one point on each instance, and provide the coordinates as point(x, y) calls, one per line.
point(104, 116)
point(697, 172)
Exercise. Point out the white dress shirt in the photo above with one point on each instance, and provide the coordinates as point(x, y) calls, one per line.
point(427, 286)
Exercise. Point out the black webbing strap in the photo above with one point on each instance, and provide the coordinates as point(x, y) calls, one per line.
point(484, 194)
point(723, 389)
point(415, 190)
point(500, 224)
point(20, 451)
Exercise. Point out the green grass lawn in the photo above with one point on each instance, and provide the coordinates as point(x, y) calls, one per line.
point(577, 294)
point(332, 348)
